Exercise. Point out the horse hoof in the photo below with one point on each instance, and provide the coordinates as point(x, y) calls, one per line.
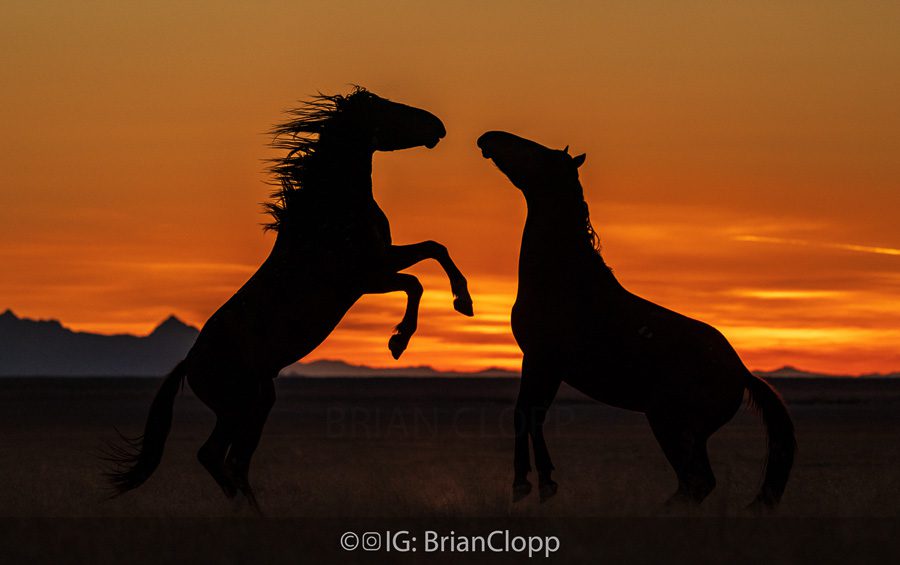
point(521, 490)
point(759, 508)
point(463, 305)
point(251, 501)
point(548, 489)
point(679, 502)
point(397, 344)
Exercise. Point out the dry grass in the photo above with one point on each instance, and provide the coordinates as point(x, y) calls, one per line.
point(354, 450)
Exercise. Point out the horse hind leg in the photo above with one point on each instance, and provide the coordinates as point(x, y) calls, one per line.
point(212, 453)
point(687, 454)
point(701, 480)
point(247, 434)
point(212, 456)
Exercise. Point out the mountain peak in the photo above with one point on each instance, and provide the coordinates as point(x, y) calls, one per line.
point(172, 325)
point(788, 370)
point(46, 347)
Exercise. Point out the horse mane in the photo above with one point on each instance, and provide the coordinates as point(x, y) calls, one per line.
point(592, 236)
point(299, 136)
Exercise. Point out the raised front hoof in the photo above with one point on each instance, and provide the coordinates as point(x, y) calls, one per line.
point(521, 489)
point(463, 305)
point(548, 490)
point(397, 344)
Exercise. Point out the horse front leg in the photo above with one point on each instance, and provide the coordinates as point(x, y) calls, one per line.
point(537, 390)
point(404, 256)
point(407, 327)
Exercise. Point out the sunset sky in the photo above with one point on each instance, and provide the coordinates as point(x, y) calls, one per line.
point(743, 160)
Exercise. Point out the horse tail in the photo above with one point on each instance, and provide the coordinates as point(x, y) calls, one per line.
point(782, 443)
point(139, 457)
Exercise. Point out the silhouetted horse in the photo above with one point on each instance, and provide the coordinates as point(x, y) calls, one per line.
point(333, 245)
point(575, 322)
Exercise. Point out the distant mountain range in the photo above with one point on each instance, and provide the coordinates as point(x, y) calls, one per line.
point(788, 372)
point(47, 348)
point(334, 368)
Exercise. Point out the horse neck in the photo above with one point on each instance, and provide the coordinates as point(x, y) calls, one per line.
point(337, 184)
point(342, 171)
point(551, 230)
point(555, 243)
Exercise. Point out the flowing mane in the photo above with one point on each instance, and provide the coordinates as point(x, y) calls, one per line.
point(592, 235)
point(593, 238)
point(299, 136)
point(332, 248)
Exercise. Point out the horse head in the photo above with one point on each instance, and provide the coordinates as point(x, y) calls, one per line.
point(534, 169)
point(384, 125)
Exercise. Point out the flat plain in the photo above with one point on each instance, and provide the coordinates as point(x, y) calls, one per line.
point(361, 453)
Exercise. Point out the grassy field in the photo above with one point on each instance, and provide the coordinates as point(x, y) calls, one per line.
point(390, 451)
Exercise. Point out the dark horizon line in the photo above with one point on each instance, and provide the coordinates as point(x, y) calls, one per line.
point(294, 371)
point(787, 370)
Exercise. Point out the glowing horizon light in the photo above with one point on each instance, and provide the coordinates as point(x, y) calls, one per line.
point(824, 244)
point(743, 174)
point(785, 294)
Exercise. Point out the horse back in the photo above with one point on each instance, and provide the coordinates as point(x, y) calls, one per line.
point(624, 350)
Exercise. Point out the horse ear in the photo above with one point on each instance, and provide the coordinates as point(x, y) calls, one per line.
point(579, 160)
point(566, 150)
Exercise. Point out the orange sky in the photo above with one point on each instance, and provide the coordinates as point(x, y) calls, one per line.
point(743, 160)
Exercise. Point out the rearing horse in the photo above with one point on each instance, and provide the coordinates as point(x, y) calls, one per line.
point(575, 322)
point(333, 245)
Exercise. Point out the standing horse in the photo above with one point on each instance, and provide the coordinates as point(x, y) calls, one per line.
point(575, 322)
point(333, 245)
